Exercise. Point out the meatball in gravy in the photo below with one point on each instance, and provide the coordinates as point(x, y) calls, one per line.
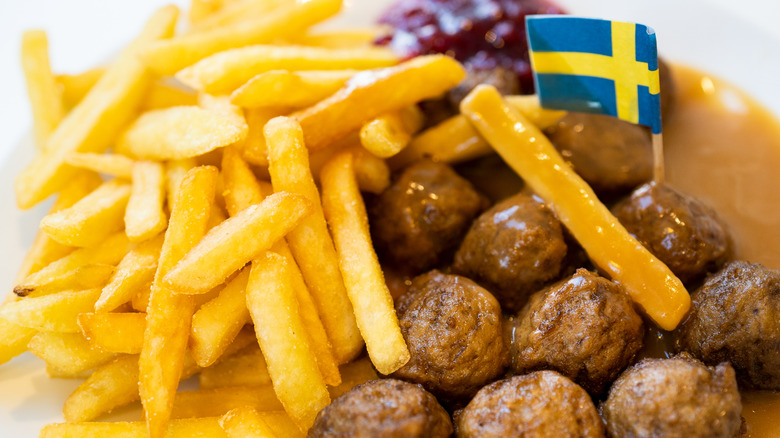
point(541, 404)
point(453, 329)
point(584, 327)
point(383, 408)
point(677, 397)
point(423, 215)
point(513, 249)
point(735, 317)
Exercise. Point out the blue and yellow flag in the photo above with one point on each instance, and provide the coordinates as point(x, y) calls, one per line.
point(596, 66)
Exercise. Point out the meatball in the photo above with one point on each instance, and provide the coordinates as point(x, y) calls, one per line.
point(383, 408)
point(677, 397)
point(513, 249)
point(504, 80)
point(682, 232)
point(584, 327)
point(612, 155)
point(540, 404)
point(735, 317)
point(423, 215)
point(453, 329)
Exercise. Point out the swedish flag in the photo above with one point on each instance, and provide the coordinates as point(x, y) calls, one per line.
point(596, 66)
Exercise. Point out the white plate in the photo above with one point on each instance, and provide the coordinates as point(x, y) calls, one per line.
point(689, 32)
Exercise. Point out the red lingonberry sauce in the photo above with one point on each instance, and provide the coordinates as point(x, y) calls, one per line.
point(485, 33)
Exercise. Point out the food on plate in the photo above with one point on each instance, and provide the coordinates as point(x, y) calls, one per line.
point(679, 396)
point(45, 96)
point(539, 404)
point(383, 408)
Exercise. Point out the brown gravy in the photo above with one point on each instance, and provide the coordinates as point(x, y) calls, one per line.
point(724, 148)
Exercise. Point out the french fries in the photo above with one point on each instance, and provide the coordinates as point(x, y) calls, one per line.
point(51, 313)
point(218, 401)
point(76, 86)
point(109, 164)
point(114, 332)
point(13, 339)
point(144, 216)
point(68, 353)
point(136, 269)
point(45, 96)
point(387, 135)
point(233, 12)
point(187, 428)
point(245, 368)
point(246, 422)
point(293, 89)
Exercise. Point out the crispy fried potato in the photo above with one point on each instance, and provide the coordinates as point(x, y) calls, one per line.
point(289, 88)
point(42, 89)
point(108, 164)
point(180, 132)
point(649, 282)
point(202, 9)
point(92, 219)
point(13, 339)
point(75, 86)
point(310, 242)
point(282, 337)
point(68, 353)
point(83, 277)
point(93, 124)
point(246, 422)
point(354, 374)
point(228, 70)
point(166, 93)
point(218, 401)
point(241, 188)
point(168, 57)
point(363, 277)
point(114, 332)
point(245, 368)
point(371, 172)
point(169, 315)
point(234, 12)
point(136, 269)
point(51, 313)
point(110, 386)
point(341, 38)
point(388, 134)
point(233, 243)
point(373, 93)
point(191, 427)
point(144, 216)
point(174, 173)
point(254, 148)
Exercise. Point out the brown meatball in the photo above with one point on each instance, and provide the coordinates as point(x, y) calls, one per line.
point(541, 404)
point(682, 232)
point(513, 249)
point(584, 327)
point(383, 408)
point(423, 215)
point(504, 80)
point(735, 317)
point(677, 397)
point(453, 329)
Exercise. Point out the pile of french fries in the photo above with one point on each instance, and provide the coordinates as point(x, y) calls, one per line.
point(209, 220)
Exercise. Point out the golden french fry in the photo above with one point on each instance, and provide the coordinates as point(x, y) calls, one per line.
point(289, 88)
point(110, 386)
point(235, 12)
point(341, 38)
point(224, 72)
point(140, 301)
point(201, 9)
point(217, 322)
point(83, 277)
point(45, 96)
point(187, 428)
point(282, 337)
point(455, 140)
point(93, 218)
point(233, 243)
point(166, 93)
point(75, 86)
point(168, 57)
point(372, 173)
point(169, 315)
point(136, 269)
point(218, 401)
point(174, 174)
point(93, 124)
point(13, 339)
point(110, 164)
point(241, 188)
point(254, 149)
point(376, 92)
point(144, 216)
point(245, 368)
point(354, 374)
point(363, 277)
point(68, 353)
point(649, 282)
point(388, 134)
point(51, 313)
point(114, 332)
point(310, 242)
point(246, 422)
point(180, 132)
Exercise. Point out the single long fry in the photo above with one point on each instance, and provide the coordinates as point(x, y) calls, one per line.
point(110, 164)
point(136, 269)
point(226, 71)
point(169, 315)
point(90, 220)
point(310, 242)
point(230, 245)
point(647, 280)
point(288, 88)
point(144, 216)
point(340, 38)
point(45, 96)
point(13, 339)
point(202, 9)
point(234, 12)
point(388, 134)
point(76, 86)
point(218, 401)
point(112, 385)
point(180, 132)
point(114, 332)
point(373, 93)
point(359, 264)
point(274, 308)
point(168, 57)
point(69, 353)
point(166, 93)
point(175, 170)
point(245, 368)
point(246, 422)
point(83, 277)
point(51, 313)
point(187, 428)
point(93, 124)
point(371, 172)
point(254, 148)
